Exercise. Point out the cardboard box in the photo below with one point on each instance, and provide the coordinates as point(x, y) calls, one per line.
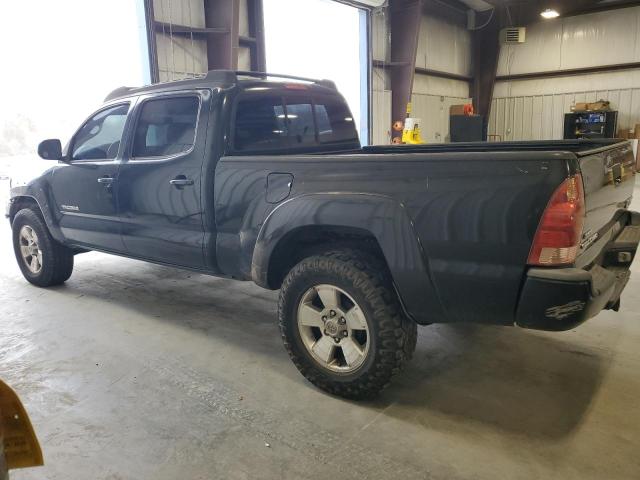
point(627, 134)
point(456, 110)
point(599, 106)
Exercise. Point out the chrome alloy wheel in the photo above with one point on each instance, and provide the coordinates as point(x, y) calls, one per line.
point(333, 328)
point(31, 253)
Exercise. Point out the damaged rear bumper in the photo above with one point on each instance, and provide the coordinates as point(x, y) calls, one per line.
point(562, 298)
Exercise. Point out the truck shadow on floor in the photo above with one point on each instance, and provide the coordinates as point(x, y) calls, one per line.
point(523, 382)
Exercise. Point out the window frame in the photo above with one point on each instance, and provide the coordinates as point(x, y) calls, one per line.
point(136, 119)
point(72, 143)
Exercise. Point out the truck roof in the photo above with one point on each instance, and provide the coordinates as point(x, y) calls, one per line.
point(222, 79)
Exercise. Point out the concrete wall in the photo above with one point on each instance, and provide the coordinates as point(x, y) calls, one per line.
point(442, 46)
point(534, 109)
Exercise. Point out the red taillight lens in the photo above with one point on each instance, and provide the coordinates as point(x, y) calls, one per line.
point(296, 86)
point(558, 236)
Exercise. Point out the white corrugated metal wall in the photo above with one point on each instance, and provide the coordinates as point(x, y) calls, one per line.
point(179, 57)
point(185, 57)
point(534, 109)
point(442, 46)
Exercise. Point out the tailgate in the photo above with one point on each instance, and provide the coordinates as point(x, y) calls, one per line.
point(608, 175)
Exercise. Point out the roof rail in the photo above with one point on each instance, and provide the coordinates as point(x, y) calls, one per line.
point(227, 77)
point(118, 92)
point(230, 76)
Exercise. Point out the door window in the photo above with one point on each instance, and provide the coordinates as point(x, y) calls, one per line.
point(99, 138)
point(166, 126)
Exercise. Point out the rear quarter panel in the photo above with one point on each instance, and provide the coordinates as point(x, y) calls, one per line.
point(455, 228)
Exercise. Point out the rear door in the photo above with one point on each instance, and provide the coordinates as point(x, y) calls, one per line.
point(608, 175)
point(160, 181)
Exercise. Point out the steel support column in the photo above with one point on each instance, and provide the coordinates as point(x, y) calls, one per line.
point(255, 12)
point(221, 33)
point(222, 48)
point(405, 18)
point(485, 51)
point(152, 45)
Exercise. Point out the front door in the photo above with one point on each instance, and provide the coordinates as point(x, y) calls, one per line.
point(84, 188)
point(159, 183)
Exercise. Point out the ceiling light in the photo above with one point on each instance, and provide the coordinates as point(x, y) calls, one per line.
point(549, 13)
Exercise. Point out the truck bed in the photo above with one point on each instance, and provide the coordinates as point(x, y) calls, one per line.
point(579, 147)
point(455, 221)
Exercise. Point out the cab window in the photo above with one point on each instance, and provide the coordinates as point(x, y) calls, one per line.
point(300, 125)
point(260, 124)
point(335, 123)
point(266, 123)
point(99, 138)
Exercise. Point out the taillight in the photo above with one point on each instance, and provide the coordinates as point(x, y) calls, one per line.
point(558, 236)
point(296, 86)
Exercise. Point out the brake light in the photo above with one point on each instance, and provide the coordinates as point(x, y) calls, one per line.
point(296, 86)
point(558, 236)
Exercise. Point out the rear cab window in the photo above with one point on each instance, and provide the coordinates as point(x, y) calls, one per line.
point(335, 123)
point(291, 122)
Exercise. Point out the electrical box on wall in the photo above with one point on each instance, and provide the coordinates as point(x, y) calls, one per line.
point(513, 35)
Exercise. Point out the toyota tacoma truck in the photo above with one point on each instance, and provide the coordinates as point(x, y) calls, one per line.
point(263, 178)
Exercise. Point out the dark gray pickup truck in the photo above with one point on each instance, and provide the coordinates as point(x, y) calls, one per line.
point(261, 178)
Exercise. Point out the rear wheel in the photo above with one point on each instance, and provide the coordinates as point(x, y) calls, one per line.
point(42, 260)
point(342, 324)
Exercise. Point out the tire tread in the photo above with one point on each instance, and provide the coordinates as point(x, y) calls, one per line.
point(58, 258)
point(397, 334)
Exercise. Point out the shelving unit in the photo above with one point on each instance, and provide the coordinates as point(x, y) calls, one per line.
point(590, 124)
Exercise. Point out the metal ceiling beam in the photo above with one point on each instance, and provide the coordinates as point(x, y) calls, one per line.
point(450, 10)
point(569, 72)
point(187, 31)
point(523, 13)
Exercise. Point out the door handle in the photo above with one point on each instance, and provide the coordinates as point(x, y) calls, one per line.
point(105, 180)
point(181, 181)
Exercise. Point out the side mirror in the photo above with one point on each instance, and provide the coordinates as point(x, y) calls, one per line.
point(50, 149)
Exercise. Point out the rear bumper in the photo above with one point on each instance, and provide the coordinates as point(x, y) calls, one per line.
point(560, 299)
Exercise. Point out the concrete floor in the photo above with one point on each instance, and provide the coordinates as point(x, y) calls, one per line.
point(135, 371)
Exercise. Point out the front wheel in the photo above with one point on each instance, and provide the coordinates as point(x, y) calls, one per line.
point(42, 260)
point(342, 324)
